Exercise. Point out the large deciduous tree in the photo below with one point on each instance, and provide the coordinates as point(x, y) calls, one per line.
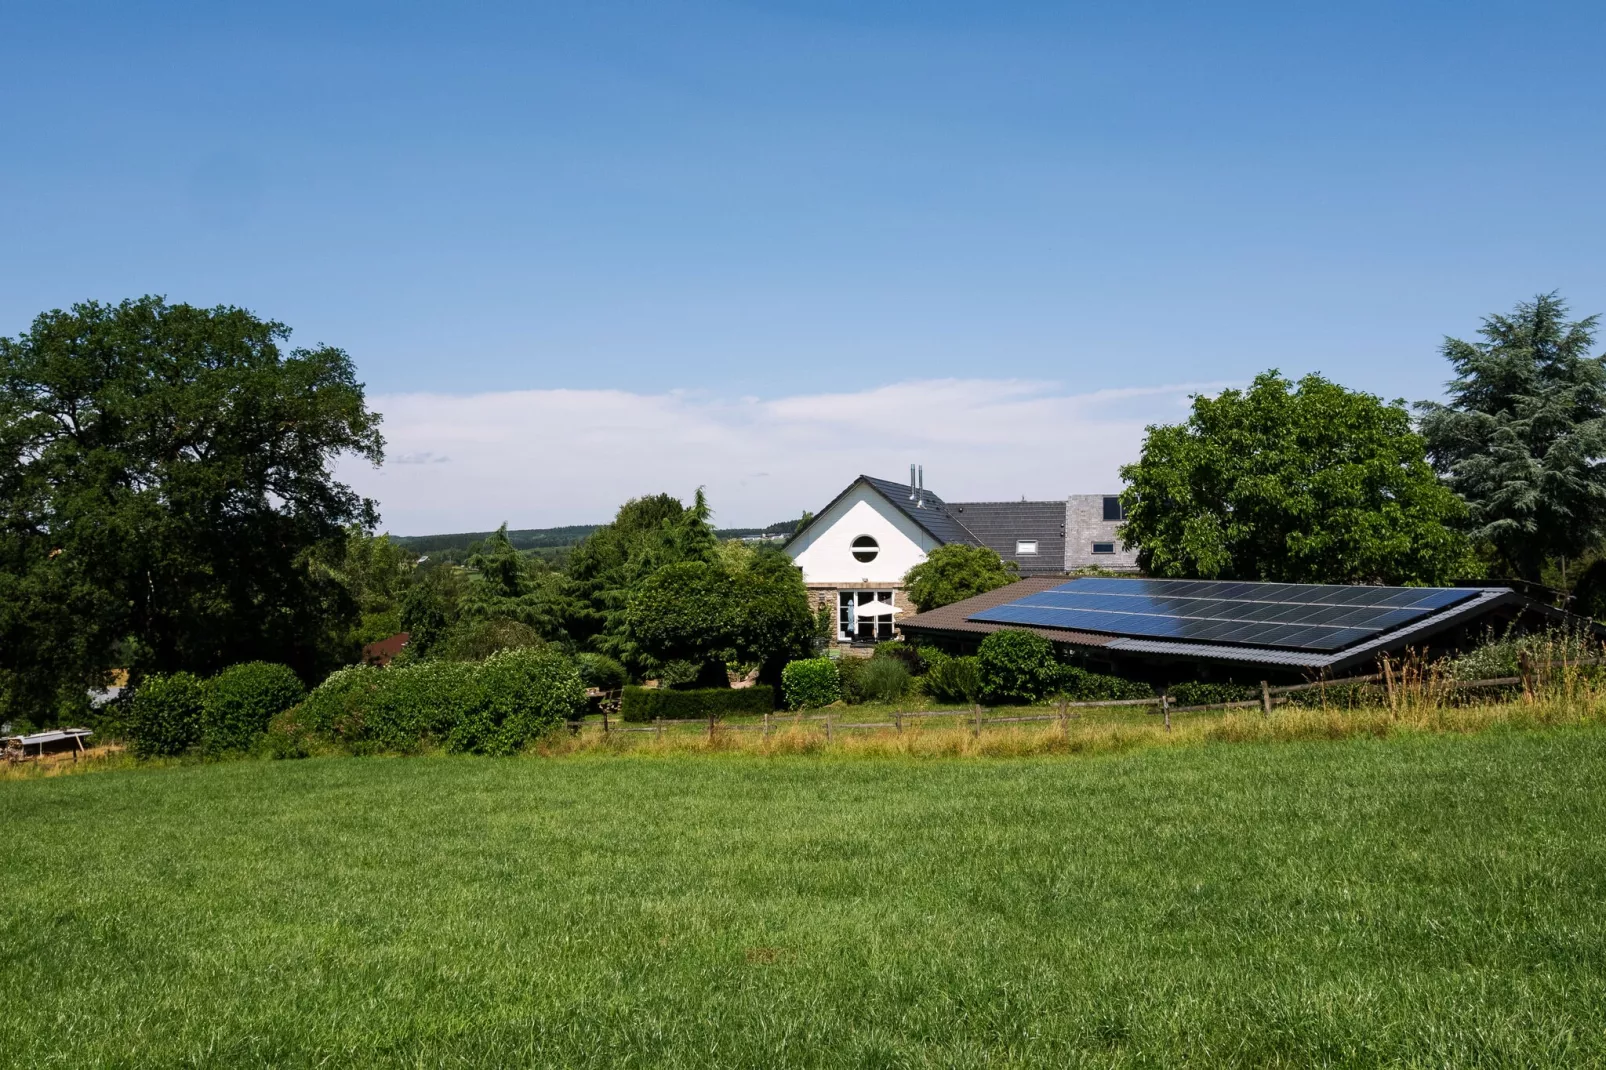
point(165, 486)
point(1307, 484)
point(1523, 436)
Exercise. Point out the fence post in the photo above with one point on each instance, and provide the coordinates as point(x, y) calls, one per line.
point(828, 726)
point(1065, 724)
point(659, 721)
point(1265, 700)
point(766, 726)
point(1165, 706)
point(897, 719)
point(710, 726)
point(604, 705)
point(1525, 670)
point(1388, 683)
point(977, 730)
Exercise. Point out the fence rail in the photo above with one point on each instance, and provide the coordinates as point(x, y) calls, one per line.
point(977, 716)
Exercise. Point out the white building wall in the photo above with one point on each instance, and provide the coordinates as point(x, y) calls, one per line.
point(825, 554)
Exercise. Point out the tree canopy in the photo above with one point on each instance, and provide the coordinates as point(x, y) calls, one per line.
point(955, 572)
point(165, 486)
point(1523, 436)
point(1306, 483)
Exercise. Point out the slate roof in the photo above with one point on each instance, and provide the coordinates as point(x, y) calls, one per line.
point(931, 515)
point(1001, 524)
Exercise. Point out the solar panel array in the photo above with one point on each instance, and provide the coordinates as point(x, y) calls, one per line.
point(1297, 616)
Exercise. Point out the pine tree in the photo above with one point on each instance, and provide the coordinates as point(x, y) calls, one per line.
point(1523, 437)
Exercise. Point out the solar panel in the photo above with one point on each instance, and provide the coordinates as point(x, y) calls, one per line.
point(1299, 616)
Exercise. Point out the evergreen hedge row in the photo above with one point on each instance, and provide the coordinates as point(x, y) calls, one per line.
point(495, 706)
point(650, 703)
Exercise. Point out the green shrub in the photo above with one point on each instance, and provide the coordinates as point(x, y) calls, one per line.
point(849, 674)
point(810, 683)
point(478, 640)
point(883, 679)
point(1016, 666)
point(650, 703)
point(953, 679)
point(491, 707)
point(522, 695)
point(1080, 685)
point(166, 715)
point(907, 653)
point(242, 699)
point(601, 672)
point(1200, 693)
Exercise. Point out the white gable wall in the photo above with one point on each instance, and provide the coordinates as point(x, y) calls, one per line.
point(825, 554)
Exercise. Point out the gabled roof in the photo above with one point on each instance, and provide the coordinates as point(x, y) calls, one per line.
point(1001, 525)
point(931, 515)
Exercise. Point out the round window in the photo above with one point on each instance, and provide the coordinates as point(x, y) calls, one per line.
point(865, 548)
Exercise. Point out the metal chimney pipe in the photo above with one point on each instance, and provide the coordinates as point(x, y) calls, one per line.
point(911, 482)
point(920, 493)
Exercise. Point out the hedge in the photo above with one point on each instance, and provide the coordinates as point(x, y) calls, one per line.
point(495, 706)
point(242, 699)
point(650, 703)
point(165, 718)
point(811, 682)
point(1200, 693)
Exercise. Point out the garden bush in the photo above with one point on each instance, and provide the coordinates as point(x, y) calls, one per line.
point(849, 674)
point(491, 707)
point(650, 703)
point(242, 699)
point(1082, 685)
point(1201, 693)
point(811, 682)
point(601, 672)
point(165, 716)
point(907, 653)
point(883, 679)
point(953, 679)
point(1016, 666)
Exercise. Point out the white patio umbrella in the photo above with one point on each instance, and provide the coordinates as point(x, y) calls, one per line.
point(876, 609)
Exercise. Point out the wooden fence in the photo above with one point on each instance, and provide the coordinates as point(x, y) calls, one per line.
point(978, 717)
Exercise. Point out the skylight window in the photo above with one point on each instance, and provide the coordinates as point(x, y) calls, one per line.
point(1025, 546)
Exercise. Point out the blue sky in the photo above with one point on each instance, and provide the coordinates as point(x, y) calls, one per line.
point(781, 200)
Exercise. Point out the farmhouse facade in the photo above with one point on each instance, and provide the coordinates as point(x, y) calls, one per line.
point(856, 551)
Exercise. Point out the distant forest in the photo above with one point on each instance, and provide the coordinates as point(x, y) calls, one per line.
point(546, 540)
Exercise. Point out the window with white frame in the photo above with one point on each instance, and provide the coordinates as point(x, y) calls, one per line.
point(865, 549)
point(1025, 546)
point(863, 616)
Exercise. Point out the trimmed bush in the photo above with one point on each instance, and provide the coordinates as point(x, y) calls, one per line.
point(1200, 693)
point(601, 672)
point(883, 679)
point(242, 699)
point(1080, 685)
point(650, 703)
point(1016, 666)
point(165, 718)
point(907, 653)
point(811, 682)
point(491, 707)
point(953, 679)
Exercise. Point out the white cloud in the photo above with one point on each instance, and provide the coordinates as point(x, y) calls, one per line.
point(537, 458)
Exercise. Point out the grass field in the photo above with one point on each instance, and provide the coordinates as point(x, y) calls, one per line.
point(1431, 900)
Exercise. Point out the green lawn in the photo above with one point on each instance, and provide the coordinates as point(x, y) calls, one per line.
point(1431, 901)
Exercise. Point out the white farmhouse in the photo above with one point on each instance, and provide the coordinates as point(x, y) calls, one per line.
point(856, 551)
